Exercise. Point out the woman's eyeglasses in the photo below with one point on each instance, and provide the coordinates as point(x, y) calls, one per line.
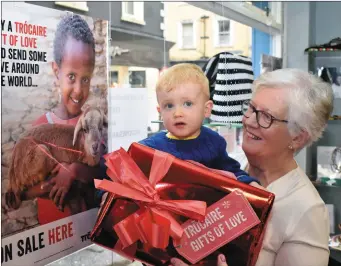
point(263, 118)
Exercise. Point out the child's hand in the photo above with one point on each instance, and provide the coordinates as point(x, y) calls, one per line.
point(62, 183)
point(56, 169)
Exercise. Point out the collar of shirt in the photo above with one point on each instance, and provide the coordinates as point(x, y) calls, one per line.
point(170, 136)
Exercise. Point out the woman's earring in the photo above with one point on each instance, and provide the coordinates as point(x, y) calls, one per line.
point(290, 147)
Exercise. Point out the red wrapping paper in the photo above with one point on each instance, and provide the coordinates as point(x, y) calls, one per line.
point(184, 180)
point(153, 224)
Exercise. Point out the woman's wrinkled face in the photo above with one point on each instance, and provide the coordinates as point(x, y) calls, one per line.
point(272, 141)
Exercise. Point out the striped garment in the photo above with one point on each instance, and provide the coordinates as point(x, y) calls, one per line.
point(232, 87)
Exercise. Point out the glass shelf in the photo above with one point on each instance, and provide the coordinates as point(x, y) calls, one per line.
point(317, 184)
point(337, 118)
point(324, 53)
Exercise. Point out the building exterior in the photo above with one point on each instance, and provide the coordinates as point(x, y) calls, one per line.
point(136, 30)
point(200, 34)
point(137, 50)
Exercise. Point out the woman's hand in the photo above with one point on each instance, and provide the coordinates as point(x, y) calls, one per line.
point(220, 262)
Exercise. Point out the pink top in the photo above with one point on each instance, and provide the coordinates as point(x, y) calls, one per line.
point(51, 118)
point(57, 120)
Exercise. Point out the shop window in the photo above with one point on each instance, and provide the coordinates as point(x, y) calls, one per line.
point(133, 12)
point(132, 50)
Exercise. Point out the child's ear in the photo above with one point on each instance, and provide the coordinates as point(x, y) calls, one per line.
point(159, 111)
point(55, 69)
point(208, 108)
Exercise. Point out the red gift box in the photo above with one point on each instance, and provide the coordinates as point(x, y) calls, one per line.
point(131, 218)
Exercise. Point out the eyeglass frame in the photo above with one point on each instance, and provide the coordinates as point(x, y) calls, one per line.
point(254, 110)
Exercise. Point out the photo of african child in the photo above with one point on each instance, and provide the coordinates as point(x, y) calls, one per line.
point(54, 132)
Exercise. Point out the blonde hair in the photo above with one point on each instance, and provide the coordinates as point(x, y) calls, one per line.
point(180, 74)
point(309, 99)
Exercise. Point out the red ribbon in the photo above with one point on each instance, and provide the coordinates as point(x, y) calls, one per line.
point(153, 223)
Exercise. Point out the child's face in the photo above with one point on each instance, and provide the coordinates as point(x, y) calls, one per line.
point(183, 109)
point(74, 75)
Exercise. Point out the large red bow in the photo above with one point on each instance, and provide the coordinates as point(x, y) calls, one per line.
point(153, 223)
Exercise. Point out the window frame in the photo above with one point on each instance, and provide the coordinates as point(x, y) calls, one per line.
point(137, 17)
point(180, 35)
point(82, 6)
point(216, 32)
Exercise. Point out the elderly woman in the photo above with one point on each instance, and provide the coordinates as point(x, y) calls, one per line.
point(288, 111)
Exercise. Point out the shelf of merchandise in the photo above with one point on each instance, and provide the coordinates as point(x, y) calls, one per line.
point(318, 184)
point(334, 53)
point(335, 118)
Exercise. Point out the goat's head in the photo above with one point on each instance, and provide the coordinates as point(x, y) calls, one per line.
point(91, 122)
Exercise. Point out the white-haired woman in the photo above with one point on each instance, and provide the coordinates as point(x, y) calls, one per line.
point(288, 111)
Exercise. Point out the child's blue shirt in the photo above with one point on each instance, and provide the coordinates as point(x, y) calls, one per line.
point(209, 149)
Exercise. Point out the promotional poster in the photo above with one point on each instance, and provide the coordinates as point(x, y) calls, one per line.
point(54, 117)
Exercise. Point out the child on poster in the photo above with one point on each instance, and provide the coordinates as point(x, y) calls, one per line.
point(73, 66)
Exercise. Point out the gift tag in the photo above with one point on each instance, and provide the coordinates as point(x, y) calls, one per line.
point(225, 220)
